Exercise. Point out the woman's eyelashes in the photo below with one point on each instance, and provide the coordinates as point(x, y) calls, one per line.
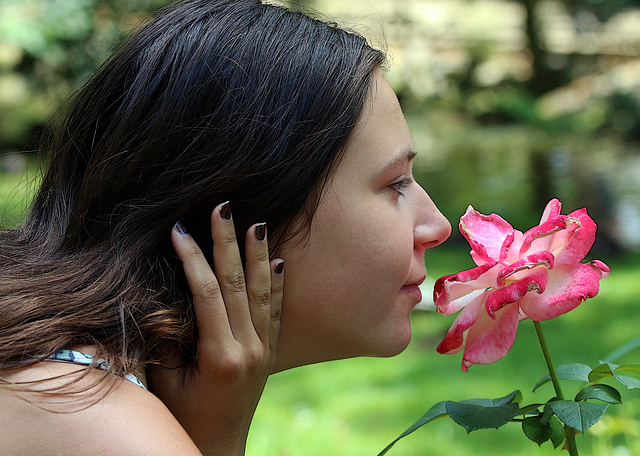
point(401, 185)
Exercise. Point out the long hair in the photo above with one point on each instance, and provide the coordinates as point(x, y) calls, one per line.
point(213, 100)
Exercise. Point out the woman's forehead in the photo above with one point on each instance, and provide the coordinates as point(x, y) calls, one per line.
point(381, 138)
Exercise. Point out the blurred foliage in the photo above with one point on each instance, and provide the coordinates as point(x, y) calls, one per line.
point(47, 48)
point(572, 49)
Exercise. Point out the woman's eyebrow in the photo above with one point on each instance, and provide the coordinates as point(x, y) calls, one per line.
point(405, 155)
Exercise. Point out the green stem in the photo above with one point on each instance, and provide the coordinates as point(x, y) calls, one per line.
point(547, 358)
point(570, 433)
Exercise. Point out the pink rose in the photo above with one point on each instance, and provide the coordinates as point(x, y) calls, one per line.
point(536, 275)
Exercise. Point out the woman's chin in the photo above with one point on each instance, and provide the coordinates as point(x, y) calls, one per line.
point(386, 340)
point(395, 343)
point(399, 345)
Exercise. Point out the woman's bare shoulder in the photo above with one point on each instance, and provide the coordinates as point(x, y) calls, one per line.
point(112, 417)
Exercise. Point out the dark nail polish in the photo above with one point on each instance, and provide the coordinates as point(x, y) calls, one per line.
point(179, 226)
point(279, 267)
point(260, 231)
point(225, 211)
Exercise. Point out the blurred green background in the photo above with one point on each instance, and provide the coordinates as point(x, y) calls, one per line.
point(510, 102)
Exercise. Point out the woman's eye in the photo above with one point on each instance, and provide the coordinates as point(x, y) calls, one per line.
point(401, 185)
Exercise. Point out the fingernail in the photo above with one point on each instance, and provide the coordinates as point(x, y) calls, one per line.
point(225, 211)
point(279, 267)
point(179, 227)
point(260, 231)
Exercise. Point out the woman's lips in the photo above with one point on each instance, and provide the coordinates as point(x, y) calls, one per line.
point(413, 290)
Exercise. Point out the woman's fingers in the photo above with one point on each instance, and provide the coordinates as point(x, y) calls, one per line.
point(230, 272)
point(238, 323)
point(209, 307)
point(277, 287)
point(236, 303)
point(258, 277)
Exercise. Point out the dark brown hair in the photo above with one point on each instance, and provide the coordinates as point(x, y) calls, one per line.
point(213, 100)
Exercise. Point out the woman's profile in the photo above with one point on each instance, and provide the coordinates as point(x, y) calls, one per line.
point(141, 308)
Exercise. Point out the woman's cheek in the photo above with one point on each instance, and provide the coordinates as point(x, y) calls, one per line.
point(391, 253)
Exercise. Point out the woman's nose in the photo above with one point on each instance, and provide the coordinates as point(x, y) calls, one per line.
point(431, 228)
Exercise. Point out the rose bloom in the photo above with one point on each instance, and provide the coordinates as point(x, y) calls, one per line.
point(536, 275)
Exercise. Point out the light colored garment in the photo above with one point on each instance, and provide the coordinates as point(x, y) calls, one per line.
point(76, 357)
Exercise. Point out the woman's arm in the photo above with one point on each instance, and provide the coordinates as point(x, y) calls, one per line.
point(237, 312)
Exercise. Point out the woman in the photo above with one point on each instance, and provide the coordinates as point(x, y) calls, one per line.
point(218, 114)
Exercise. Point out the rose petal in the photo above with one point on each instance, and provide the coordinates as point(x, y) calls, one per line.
point(580, 242)
point(506, 245)
point(513, 252)
point(602, 269)
point(569, 245)
point(486, 234)
point(489, 339)
point(453, 342)
point(534, 260)
point(568, 286)
point(450, 293)
point(552, 209)
point(534, 281)
point(544, 235)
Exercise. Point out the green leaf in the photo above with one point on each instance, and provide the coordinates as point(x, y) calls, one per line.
point(473, 417)
point(574, 371)
point(440, 409)
point(579, 415)
point(633, 369)
point(557, 432)
point(605, 370)
point(603, 393)
point(435, 412)
point(535, 430)
point(515, 396)
point(601, 372)
point(632, 379)
point(547, 413)
point(629, 382)
point(527, 409)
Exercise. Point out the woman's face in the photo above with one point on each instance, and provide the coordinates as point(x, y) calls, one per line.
point(352, 283)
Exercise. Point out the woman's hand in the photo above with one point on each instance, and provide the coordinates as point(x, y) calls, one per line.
point(238, 316)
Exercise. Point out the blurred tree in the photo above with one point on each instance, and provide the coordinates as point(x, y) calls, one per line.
point(48, 47)
point(544, 78)
point(587, 16)
point(603, 10)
